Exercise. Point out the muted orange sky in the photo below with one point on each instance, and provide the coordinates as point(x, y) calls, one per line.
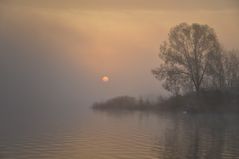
point(129, 4)
point(116, 38)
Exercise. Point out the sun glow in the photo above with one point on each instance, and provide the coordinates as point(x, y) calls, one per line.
point(105, 79)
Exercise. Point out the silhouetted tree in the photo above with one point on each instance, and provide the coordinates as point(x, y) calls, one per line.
point(191, 53)
point(231, 68)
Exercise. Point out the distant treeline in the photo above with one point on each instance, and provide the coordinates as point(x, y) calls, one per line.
point(123, 103)
point(220, 101)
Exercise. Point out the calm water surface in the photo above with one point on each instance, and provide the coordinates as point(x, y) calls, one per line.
point(102, 135)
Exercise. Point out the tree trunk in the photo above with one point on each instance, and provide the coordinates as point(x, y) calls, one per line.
point(197, 87)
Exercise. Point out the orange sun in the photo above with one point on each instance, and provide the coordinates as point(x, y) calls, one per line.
point(105, 79)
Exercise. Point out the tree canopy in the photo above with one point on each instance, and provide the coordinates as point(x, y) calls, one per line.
point(191, 55)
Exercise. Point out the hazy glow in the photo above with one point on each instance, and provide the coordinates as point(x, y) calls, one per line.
point(105, 79)
point(117, 38)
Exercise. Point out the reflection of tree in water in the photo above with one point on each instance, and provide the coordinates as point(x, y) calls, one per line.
point(198, 137)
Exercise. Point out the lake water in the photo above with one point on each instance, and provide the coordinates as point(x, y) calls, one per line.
point(123, 135)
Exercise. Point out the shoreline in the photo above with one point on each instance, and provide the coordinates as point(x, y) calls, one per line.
point(211, 101)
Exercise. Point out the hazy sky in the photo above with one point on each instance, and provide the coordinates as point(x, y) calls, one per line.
point(80, 41)
point(129, 4)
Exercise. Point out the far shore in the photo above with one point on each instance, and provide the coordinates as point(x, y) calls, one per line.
point(215, 101)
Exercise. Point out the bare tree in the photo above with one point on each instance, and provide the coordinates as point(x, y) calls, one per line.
point(191, 53)
point(215, 77)
point(231, 68)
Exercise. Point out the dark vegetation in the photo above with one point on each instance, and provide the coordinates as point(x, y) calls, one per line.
point(124, 103)
point(205, 101)
point(194, 67)
point(218, 101)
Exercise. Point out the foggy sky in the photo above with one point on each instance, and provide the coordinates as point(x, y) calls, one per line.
point(130, 4)
point(61, 48)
